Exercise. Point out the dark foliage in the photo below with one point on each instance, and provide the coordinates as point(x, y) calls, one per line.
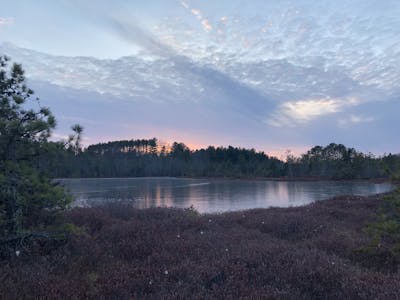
point(30, 203)
point(118, 252)
point(137, 158)
point(335, 161)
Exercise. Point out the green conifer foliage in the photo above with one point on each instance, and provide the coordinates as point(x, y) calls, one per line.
point(29, 201)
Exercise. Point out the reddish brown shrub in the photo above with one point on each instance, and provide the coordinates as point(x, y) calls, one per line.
point(118, 252)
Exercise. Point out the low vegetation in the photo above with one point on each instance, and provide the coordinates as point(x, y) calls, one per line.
point(117, 252)
point(384, 246)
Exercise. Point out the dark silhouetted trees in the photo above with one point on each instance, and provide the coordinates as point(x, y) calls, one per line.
point(130, 158)
point(29, 201)
point(335, 161)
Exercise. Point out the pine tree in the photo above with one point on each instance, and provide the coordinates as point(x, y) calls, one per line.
point(29, 201)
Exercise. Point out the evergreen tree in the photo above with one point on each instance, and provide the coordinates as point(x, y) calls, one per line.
point(29, 201)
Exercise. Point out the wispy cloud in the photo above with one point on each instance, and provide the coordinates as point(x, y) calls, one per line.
point(355, 120)
point(196, 12)
point(206, 25)
point(299, 112)
point(185, 4)
point(6, 21)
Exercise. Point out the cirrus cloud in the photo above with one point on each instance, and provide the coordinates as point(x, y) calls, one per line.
point(206, 25)
point(6, 21)
point(355, 120)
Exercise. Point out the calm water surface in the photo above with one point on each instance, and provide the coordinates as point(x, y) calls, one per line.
point(212, 195)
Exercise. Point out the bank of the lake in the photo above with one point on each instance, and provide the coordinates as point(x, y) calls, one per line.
point(308, 252)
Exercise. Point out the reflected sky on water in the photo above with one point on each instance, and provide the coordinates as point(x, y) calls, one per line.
point(212, 195)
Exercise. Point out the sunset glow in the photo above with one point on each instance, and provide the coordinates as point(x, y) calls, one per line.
point(262, 74)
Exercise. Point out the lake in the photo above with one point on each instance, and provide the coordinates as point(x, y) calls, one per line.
point(212, 195)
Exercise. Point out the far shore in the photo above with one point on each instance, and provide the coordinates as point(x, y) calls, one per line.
point(289, 179)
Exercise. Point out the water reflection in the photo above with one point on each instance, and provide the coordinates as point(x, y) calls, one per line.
point(215, 195)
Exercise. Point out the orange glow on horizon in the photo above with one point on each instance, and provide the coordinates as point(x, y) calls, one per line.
point(278, 152)
point(168, 137)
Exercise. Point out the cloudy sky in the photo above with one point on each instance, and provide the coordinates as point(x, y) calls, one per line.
point(272, 75)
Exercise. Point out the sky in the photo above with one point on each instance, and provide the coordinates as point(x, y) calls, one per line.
point(270, 75)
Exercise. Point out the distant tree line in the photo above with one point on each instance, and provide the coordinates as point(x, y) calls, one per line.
point(335, 161)
point(148, 157)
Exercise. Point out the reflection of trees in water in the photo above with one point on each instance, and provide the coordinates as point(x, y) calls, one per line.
point(164, 192)
point(213, 195)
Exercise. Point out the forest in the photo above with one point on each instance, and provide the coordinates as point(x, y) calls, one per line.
point(149, 157)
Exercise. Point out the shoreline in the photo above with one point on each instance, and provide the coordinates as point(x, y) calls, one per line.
point(282, 179)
